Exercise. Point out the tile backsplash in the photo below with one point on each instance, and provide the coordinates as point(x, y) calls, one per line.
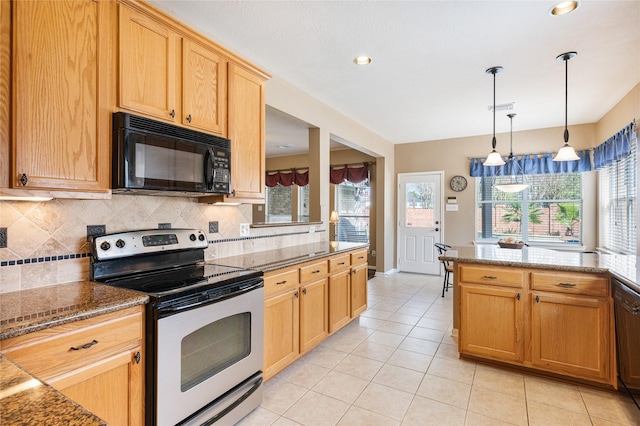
point(47, 241)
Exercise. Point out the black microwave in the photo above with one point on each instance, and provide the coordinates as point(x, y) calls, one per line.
point(155, 158)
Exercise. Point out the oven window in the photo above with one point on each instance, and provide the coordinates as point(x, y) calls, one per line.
point(214, 347)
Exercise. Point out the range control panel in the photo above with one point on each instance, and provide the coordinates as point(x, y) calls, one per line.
point(125, 244)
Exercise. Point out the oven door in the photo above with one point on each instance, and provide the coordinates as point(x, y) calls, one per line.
point(206, 352)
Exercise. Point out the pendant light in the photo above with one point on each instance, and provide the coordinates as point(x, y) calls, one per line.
point(494, 158)
point(566, 153)
point(518, 181)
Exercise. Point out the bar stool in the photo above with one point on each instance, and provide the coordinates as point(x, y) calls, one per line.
point(448, 267)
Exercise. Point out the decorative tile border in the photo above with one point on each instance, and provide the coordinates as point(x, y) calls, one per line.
point(55, 258)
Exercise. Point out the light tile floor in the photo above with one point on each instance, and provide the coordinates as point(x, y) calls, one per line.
point(398, 365)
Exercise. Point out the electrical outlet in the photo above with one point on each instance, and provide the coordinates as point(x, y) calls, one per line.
point(164, 226)
point(96, 230)
point(373, 253)
point(244, 229)
point(312, 229)
point(213, 227)
point(3, 237)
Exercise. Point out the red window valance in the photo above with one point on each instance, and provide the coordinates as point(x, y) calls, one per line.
point(337, 175)
point(286, 178)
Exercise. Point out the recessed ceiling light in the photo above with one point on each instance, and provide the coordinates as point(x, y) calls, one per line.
point(362, 60)
point(564, 7)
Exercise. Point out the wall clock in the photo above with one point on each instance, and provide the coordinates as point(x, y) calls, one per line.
point(458, 183)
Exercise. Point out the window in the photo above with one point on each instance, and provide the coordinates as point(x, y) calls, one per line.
point(616, 205)
point(352, 202)
point(280, 202)
point(548, 211)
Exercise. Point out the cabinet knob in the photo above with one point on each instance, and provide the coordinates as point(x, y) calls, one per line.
point(136, 357)
point(296, 294)
point(304, 291)
point(173, 113)
point(189, 118)
point(24, 179)
point(518, 296)
point(537, 299)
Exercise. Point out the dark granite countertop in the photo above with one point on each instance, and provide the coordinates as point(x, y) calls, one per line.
point(622, 267)
point(266, 261)
point(26, 311)
point(25, 400)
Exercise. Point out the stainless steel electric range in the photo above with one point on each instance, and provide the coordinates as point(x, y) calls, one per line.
point(204, 324)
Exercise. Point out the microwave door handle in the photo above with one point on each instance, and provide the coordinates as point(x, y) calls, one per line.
point(208, 169)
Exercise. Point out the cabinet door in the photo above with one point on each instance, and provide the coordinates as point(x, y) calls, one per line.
point(246, 131)
point(492, 322)
point(358, 290)
point(570, 335)
point(314, 323)
point(339, 301)
point(147, 66)
point(281, 332)
point(110, 388)
point(61, 137)
point(204, 88)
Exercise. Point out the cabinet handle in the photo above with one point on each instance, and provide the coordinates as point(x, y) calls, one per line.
point(189, 118)
point(361, 257)
point(137, 357)
point(304, 291)
point(281, 282)
point(296, 294)
point(85, 346)
point(566, 285)
point(173, 113)
point(537, 299)
point(341, 263)
point(317, 271)
point(490, 277)
point(518, 296)
point(24, 179)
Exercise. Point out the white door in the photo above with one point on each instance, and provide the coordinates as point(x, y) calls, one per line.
point(419, 221)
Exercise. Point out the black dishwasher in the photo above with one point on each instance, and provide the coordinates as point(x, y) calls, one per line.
point(627, 309)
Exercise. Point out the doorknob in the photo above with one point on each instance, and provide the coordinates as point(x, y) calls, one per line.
point(437, 229)
point(437, 222)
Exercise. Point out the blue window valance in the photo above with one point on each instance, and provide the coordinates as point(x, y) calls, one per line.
point(615, 148)
point(532, 164)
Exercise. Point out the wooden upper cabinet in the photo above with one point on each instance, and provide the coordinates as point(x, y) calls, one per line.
point(167, 76)
point(246, 131)
point(204, 88)
point(60, 103)
point(147, 66)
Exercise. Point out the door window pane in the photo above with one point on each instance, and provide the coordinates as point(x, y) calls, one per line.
point(353, 201)
point(420, 206)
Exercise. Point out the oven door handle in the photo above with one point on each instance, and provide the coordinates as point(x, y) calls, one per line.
point(208, 170)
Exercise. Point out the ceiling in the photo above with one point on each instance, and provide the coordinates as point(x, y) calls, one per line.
point(427, 80)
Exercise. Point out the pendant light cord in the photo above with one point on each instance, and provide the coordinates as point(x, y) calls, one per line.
point(493, 141)
point(566, 99)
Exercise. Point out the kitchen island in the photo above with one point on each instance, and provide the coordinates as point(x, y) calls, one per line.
point(537, 309)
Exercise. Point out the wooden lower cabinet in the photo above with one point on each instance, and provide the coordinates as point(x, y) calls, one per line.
point(570, 335)
point(281, 331)
point(339, 300)
point(314, 310)
point(492, 322)
point(97, 362)
point(557, 322)
point(307, 302)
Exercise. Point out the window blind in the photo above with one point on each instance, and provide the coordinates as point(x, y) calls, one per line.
point(617, 204)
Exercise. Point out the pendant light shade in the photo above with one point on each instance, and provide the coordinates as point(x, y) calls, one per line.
point(566, 153)
point(494, 158)
point(518, 180)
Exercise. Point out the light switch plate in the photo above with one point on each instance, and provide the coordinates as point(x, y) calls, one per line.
point(244, 229)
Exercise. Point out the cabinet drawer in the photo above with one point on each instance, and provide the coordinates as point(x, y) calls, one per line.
point(339, 263)
point(575, 283)
point(505, 277)
point(313, 271)
point(49, 352)
point(280, 281)
point(359, 257)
